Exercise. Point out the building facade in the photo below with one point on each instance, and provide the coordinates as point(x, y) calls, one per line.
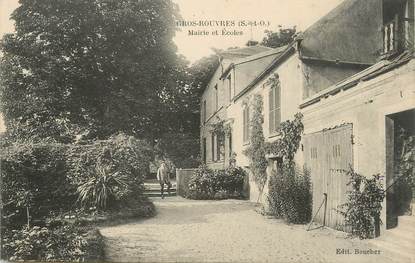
point(351, 75)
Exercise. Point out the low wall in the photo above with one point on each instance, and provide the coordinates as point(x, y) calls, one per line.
point(182, 180)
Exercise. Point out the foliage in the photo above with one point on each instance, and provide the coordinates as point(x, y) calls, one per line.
point(181, 148)
point(66, 243)
point(282, 37)
point(404, 168)
point(364, 204)
point(216, 184)
point(220, 127)
point(102, 188)
point(108, 173)
point(256, 149)
point(290, 137)
point(93, 68)
point(35, 181)
point(201, 72)
point(290, 195)
point(40, 179)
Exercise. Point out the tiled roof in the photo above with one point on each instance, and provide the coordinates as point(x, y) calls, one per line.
point(349, 33)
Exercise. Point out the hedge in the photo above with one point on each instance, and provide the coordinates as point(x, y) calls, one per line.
point(216, 184)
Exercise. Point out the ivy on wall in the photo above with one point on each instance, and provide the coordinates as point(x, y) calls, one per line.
point(221, 127)
point(256, 150)
point(287, 144)
point(363, 205)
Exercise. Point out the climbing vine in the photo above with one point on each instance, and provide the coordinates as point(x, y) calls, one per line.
point(290, 136)
point(404, 180)
point(363, 205)
point(256, 150)
point(221, 127)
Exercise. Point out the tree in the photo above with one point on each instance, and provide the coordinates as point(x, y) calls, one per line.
point(282, 37)
point(91, 67)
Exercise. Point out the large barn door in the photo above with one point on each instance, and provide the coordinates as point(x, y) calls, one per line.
point(327, 154)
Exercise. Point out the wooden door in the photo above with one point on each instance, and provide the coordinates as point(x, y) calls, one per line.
point(327, 154)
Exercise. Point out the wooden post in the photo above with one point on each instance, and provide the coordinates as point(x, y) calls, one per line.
point(325, 209)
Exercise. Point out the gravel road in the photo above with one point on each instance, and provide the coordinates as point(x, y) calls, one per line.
point(225, 231)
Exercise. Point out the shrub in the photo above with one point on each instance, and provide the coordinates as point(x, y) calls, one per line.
point(50, 244)
point(109, 173)
point(216, 184)
point(43, 178)
point(290, 195)
point(35, 181)
point(364, 204)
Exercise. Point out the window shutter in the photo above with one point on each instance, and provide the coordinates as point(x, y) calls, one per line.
point(213, 147)
point(271, 110)
point(218, 145)
point(247, 124)
point(277, 111)
point(230, 144)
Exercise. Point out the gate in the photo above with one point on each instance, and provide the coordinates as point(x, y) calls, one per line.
point(327, 154)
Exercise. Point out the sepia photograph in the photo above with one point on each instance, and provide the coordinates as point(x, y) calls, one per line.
point(207, 131)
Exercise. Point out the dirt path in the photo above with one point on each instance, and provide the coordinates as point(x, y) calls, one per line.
point(224, 231)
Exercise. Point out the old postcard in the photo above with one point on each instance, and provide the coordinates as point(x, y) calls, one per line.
point(207, 131)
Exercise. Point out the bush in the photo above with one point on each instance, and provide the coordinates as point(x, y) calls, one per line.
point(48, 178)
point(35, 181)
point(109, 173)
point(290, 195)
point(50, 244)
point(216, 184)
point(41, 183)
point(364, 204)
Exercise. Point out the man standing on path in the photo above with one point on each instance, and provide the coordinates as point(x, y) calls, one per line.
point(164, 178)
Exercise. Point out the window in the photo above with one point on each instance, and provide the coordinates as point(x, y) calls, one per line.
point(204, 150)
point(213, 147)
point(215, 90)
point(229, 79)
point(246, 124)
point(219, 147)
point(274, 108)
point(230, 144)
point(204, 111)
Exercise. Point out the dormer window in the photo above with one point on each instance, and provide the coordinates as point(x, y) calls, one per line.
point(398, 30)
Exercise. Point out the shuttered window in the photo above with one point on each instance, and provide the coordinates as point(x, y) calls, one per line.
point(204, 111)
point(204, 150)
point(230, 144)
point(213, 147)
point(218, 147)
point(274, 99)
point(246, 124)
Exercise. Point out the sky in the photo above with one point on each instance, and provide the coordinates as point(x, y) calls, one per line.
point(267, 14)
point(300, 13)
point(288, 13)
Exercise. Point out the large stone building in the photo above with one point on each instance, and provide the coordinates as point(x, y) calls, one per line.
point(351, 75)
